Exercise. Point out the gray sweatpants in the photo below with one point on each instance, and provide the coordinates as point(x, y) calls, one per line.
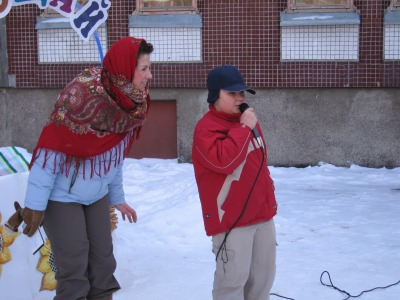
point(246, 270)
point(80, 238)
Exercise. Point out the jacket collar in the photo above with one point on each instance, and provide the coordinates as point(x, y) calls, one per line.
point(225, 116)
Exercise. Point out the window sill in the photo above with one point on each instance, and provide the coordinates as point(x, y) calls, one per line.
point(391, 18)
point(56, 23)
point(318, 19)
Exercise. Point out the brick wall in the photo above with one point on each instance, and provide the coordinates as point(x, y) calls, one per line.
point(242, 33)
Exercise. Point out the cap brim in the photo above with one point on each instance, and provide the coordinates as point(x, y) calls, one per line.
point(239, 87)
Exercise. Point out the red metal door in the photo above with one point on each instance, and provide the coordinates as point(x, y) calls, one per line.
point(158, 138)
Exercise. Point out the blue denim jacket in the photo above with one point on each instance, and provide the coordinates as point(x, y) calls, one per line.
point(47, 184)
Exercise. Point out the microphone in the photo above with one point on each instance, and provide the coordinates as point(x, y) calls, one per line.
point(242, 108)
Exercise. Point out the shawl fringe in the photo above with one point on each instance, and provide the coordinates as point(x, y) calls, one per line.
point(97, 163)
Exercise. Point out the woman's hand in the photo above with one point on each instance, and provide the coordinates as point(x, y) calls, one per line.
point(125, 209)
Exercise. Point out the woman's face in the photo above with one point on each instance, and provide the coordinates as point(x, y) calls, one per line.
point(142, 72)
point(228, 102)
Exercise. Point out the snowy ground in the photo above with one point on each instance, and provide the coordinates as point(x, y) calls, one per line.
point(342, 220)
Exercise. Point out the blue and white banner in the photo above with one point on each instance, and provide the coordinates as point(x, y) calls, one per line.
point(84, 21)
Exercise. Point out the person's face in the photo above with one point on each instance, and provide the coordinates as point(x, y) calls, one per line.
point(142, 72)
point(228, 102)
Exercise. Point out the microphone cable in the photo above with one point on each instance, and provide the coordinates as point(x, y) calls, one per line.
point(223, 245)
point(348, 294)
point(273, 294)
point(223, 248)
point(342, 291)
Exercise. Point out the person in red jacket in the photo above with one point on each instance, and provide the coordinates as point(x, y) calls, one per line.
point(227, 162)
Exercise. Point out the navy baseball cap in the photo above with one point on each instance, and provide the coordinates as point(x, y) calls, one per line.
point(226, 78)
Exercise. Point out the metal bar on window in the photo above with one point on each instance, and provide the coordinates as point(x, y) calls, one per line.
point(320, 4)
point(168, 6)
point(166, 3)
point(394, 5)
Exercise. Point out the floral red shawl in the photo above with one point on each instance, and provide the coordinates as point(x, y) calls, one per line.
point(99, 111)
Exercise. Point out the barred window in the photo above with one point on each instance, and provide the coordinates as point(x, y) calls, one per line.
point(59, 43)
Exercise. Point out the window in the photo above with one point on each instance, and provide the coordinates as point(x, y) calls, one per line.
point(310, 31)
point(173, 27)
point(163, 7)
point(395, 5)
point(59, 43)
point(391, 36)
point(176, 38)
point(295, 6)
point(51, 13)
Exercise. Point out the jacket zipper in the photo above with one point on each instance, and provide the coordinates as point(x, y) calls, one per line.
point(73, 178)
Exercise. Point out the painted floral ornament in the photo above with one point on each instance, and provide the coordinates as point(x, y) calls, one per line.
point(7, 237)
point(46, 266)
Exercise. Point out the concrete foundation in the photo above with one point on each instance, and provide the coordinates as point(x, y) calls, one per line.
point(302, 126)
point(3, 54)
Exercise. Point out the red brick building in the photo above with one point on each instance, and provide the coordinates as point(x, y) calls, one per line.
point(327, 71)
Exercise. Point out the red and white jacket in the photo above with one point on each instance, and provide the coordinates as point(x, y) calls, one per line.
point(226, 160)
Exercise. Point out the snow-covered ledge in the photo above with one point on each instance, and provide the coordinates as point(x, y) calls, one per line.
point(320, 36)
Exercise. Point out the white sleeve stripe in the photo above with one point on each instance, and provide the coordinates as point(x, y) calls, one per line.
point(231, 161)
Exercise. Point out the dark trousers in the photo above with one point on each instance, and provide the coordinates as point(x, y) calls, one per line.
point(80, 238)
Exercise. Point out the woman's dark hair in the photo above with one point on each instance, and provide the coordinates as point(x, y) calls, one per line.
point(145, 48)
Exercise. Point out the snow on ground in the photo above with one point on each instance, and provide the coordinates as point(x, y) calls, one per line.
point(342, 220)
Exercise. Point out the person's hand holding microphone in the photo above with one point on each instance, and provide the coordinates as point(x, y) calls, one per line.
point(250, 119)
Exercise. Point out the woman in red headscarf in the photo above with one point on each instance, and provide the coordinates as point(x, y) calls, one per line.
point(76, 170)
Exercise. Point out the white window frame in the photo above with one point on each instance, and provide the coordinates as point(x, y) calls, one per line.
point(51, 13)
point(395, 5)
point(141, 10)
point(293, 8)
